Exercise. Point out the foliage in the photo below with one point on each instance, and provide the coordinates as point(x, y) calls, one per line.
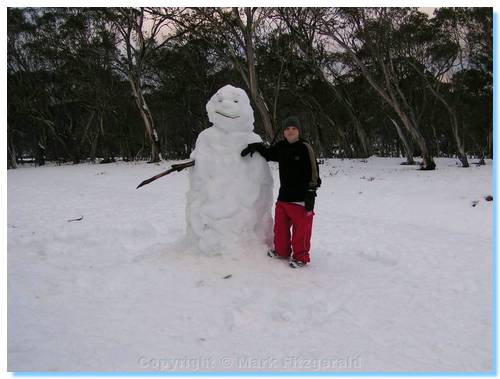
point(69, 78)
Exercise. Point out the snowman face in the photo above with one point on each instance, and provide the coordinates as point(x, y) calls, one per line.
point(229, 109)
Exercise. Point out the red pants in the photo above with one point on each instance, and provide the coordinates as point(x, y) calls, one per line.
point(299, 241)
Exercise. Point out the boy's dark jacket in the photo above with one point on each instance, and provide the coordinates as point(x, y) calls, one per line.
point(298, 168)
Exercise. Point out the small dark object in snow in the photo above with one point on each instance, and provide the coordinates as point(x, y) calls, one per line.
point(202, 339)
point(321, 161)
point(488, 198)
point(474, 203)
point(76, 219)
point(334, 173)
point(227, 276)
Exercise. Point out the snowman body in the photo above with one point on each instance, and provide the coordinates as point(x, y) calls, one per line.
point(230, 197)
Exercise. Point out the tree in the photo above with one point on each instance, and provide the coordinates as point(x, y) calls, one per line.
point(366, 35)
point(362, 81)
point(303, 25)
point(185, 86)
point(140, 30)
point(432, 55)
point(232, 33)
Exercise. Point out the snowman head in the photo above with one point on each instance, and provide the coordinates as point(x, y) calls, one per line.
point(229, 110)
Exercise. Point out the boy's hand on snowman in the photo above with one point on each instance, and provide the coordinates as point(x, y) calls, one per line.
point(252, 148)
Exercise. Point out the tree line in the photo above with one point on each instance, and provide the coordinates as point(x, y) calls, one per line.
point(132, 83)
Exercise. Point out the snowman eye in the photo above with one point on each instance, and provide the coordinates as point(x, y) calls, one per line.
point(235, 101)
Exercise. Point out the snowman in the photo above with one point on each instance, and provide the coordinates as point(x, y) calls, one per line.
point(230, 198)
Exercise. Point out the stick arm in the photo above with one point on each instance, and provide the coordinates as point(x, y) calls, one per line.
point(175, 167)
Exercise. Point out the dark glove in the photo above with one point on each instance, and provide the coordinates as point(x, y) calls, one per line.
point(309, 200)
point(252, 148)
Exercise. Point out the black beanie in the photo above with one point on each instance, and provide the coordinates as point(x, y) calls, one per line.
point(292, 121)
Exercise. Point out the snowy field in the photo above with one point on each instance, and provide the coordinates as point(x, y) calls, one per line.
point(400, 276)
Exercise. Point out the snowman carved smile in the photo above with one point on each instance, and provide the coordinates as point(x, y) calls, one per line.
point(225, 115)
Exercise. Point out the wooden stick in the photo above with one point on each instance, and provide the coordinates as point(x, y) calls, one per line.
point(174, 167)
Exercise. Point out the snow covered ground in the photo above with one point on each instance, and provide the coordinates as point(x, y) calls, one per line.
point(400, 277)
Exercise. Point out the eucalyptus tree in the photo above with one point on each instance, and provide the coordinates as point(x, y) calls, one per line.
point(232, 33)
point(29, 113)
point(366, 36)
point(140, 33)
point(470, 81)
point(185, 86)
point(61, 84)
point(88, 48)
point(303, 24)
point(427, 48)
point(277, 66)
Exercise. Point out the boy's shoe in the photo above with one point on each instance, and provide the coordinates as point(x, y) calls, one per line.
point(274, 254)
point(296, 264)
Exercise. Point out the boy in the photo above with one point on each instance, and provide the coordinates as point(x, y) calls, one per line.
point(299, 179)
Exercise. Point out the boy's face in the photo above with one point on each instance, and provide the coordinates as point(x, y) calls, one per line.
point(291, 133)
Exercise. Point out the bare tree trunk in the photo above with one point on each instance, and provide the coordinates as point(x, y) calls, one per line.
point(319, 138)
point(147, 119)
point(264, 114)
point(92, 137)
point(95, 138)
point(454, 127)
point(428, 162)
point(40, 153)
point(363, 139)
point(11, 154)
point(251, 77)
point(277, 92)
point(436, 139)
point(453, 118)
point(406, 145)
point(93, 148)
point(462, 156)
